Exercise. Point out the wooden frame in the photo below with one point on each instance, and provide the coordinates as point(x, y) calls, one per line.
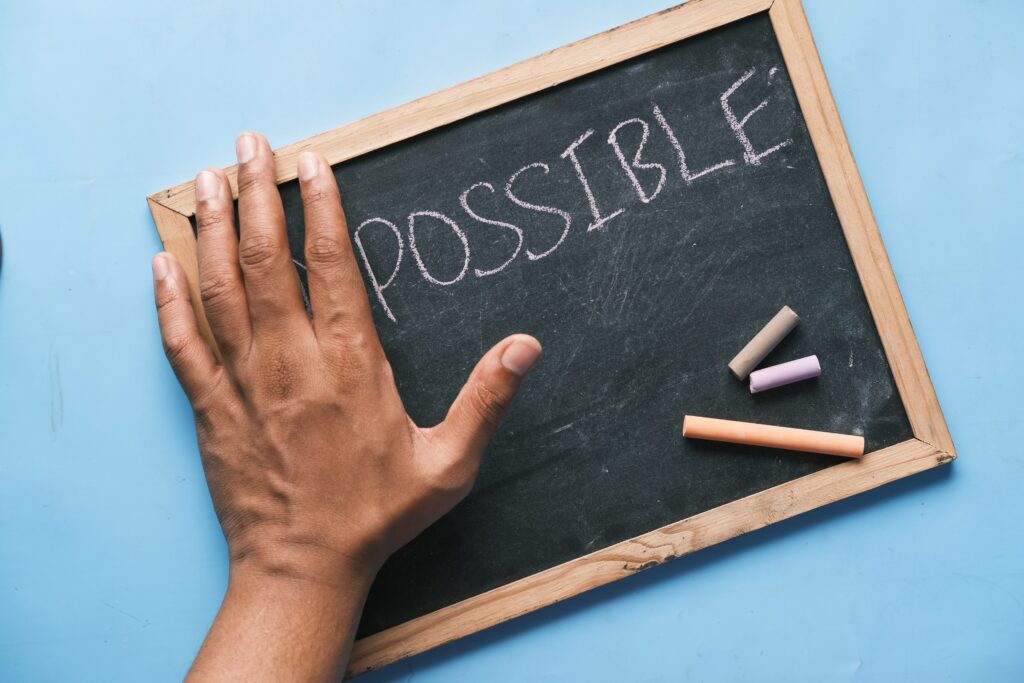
point(931, 445)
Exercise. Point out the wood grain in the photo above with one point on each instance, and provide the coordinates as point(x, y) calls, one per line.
point(932, 445)
point(643, 552)
point(486, 92)
point(862, 236)
point(177, 237)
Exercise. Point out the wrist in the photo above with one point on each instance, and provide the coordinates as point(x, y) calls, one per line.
point(300, 564)
point(287, 615)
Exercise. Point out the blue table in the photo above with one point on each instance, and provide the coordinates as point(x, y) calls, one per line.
point(111, 560)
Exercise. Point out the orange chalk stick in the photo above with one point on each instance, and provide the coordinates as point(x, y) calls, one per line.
point(754, 434)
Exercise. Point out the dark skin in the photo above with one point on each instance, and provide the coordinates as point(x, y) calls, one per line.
point(316, 471)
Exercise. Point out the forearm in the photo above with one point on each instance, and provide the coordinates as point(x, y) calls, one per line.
point(315, 469)
point(282, 628)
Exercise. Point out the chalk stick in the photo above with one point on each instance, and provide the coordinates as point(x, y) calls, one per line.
point(763, 342)
point(784, 373)
point(771, 436)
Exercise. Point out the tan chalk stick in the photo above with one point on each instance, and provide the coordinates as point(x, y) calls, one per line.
point(754, 434)
point(763, 342)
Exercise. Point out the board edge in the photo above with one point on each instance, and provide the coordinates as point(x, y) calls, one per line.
point(931, 446)
point(175, 230)
point(643, 552)
point(857, 220)
point(491, 90)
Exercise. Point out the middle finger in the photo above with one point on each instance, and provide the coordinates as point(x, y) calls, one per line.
point(271, 282)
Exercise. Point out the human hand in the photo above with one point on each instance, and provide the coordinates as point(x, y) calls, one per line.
point(316, 472)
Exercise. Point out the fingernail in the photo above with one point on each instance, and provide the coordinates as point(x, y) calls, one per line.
point(520, 356)
point(160, 267)
point(309, 166)
point(206, 186)
point(245, 148)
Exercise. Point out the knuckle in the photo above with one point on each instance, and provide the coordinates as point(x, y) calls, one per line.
point(317, 195)
point(355, 361)
point(209, 408)
point(249, 178)
point(257, 250)
point(359, 345)
point(209, 215)
point(216, 288)
point(324, 249)
point(338, 323)
point(488, 404)
point(177, 349)
point(166, 297)
point(353, 370)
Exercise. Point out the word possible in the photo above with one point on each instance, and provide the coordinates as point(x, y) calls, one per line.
point(630, 164)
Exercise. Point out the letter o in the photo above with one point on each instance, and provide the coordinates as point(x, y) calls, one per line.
point(416, 252)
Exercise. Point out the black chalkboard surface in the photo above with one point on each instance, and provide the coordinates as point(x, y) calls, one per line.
point(642, 201)
point(638, 314)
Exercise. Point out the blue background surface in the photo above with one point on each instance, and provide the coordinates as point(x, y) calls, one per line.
point(111, 560)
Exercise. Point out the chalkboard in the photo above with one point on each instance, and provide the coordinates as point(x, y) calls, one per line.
point(643, 220)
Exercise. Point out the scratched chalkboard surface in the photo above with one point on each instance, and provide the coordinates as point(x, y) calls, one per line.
point(643, 222)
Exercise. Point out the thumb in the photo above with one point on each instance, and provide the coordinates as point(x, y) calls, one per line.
point(486, 395)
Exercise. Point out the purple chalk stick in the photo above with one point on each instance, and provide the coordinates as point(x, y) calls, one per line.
point(784, 373)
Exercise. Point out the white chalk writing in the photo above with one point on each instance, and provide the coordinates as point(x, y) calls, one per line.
point(628, 166)
point(570, 153)
point(639, 173)
point(538, 207)
point(684, 170)
point(379, 288)
point(749, 155)
point(464, 202)
point(416, 252)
